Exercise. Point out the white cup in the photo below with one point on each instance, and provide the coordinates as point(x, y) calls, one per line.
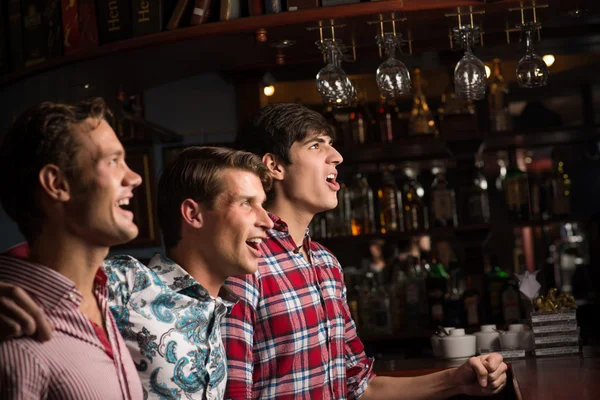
point(488, 340)
point(435, 341)
point(458, 345)
point(511, 340)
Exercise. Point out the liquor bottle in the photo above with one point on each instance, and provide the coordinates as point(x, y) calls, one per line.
point(495, 281)
point(437, 286)
point(390, 204)
point(561, 187)
point(385, 121)
point(398, 266)
point(516, 192)
point(443, 201)
point(376, 312)
point(500, 119)
point(415, 212)
point(416, 298)
point(502, 158)
point(457, 117)
point(472, 304)
point(336, 129)
point(362, 213)
point(342, 213)
point(453, 300)
point(511, 303)
point(476, 205)
point(359, 122)
point(421, 117)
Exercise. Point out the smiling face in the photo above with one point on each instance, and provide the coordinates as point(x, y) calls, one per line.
point(104, 184)
point(236, 224)
point(310, 180)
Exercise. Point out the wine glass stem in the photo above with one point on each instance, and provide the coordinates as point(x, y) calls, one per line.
point(529, 42)
point(332, 55)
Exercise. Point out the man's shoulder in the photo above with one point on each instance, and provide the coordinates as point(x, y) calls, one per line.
point(15, 351)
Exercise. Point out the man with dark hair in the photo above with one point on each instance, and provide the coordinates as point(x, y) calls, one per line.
point(291, 334)
point(210, 206)
point(66, 178)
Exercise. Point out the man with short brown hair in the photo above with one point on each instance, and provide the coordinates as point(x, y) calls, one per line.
point(65, 174)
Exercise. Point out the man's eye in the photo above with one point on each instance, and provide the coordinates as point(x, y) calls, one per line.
point(315, 146)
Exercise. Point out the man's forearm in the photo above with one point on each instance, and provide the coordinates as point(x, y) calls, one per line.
point(439, 385)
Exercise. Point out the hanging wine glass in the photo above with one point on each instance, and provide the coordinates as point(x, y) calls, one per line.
point(333, 84)
point(470, 78)
point(532, 71)
point(393, 78)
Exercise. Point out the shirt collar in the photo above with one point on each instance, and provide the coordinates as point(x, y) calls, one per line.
point(280, 228)
point(178, 279)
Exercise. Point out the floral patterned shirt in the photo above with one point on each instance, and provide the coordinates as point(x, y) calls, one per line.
point(171, 327)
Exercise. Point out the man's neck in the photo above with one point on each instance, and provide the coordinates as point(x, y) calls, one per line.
point(192, 261)
point(71, 257)
point(296, 219)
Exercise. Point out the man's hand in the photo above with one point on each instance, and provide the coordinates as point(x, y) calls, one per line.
point(20, 315)
point(483, 375)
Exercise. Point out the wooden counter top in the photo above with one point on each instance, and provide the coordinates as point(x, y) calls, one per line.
point(557, 378)
point(528, 379)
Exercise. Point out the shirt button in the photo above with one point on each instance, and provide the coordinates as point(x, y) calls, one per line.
point(72, 297)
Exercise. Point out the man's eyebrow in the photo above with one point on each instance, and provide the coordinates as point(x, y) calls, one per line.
point(318, 139)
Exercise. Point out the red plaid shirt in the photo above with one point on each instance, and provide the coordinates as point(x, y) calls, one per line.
point(291, 335)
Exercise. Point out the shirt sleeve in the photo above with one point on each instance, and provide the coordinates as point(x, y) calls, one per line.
point(238, 336)
point(359, 367)
point(125, 276)
point(21, 376)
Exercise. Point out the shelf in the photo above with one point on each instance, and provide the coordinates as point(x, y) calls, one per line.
point(432, 148)
point(406, 149)
point(435, 232)
point(466, 231)
point(512, 140)
point(231, 47)
point(160, 41)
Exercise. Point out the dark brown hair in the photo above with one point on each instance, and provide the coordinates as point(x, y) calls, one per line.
point(196, 174)
point(276, 127)
point(42, 135)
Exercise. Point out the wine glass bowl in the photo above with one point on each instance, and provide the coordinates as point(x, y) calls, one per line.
point(532, 71)
point(470, 79)
point(393, 78)
point(333, 84)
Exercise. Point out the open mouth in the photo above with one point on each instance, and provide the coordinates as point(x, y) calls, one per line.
point(331, 180)
point(254, 244)
point(124, 205)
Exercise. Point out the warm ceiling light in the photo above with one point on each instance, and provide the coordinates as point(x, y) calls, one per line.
point(488, 71)
point(269, 90)
point(549, 59)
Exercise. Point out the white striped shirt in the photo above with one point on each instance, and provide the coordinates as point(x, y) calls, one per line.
point(74, 364)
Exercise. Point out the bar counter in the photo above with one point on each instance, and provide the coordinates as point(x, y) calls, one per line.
point(528, 379)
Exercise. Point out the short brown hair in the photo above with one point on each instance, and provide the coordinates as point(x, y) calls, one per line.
point(196, 174)
point(42, 135)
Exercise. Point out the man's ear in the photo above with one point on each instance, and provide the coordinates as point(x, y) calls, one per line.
point(276, 168)
point(191, 212)
point(54, 183)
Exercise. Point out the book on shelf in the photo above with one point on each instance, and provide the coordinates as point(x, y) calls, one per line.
point(114, 20)
point(147, 17)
